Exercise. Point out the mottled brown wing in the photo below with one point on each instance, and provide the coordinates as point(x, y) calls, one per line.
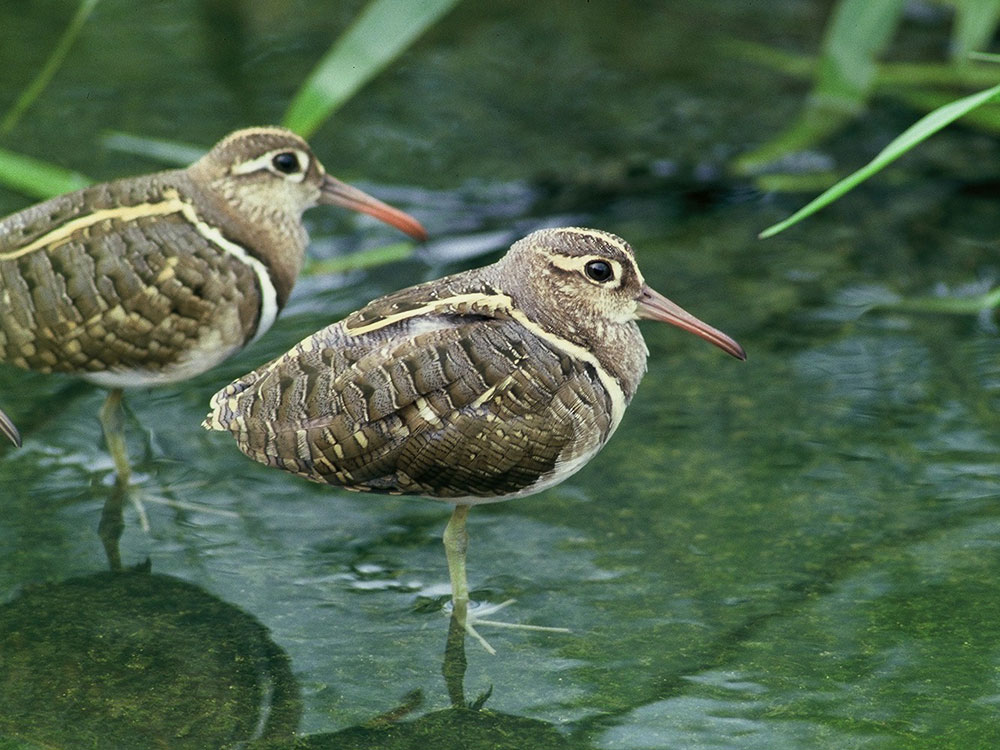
point(120, 295)
point(473, 408)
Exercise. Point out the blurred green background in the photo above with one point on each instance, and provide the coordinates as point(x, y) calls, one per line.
point(798, 551)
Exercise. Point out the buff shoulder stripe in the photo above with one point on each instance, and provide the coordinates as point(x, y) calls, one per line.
point(268, 294)
point(64, 232)
point(611, 384)
point(172, 203)
point(485, 302)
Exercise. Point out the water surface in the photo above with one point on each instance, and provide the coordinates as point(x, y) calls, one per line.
point(796, 551)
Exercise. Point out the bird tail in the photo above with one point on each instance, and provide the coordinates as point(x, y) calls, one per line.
point(7, 428)
point(226, 413)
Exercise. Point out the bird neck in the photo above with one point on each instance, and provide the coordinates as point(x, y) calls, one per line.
point(265, 232)
point(618, 347)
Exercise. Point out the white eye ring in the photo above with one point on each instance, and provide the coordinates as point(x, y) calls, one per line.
point(268, 163)
point(599, 270)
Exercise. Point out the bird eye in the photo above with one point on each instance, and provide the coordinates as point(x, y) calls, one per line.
point(286, 162)
point(599, 271)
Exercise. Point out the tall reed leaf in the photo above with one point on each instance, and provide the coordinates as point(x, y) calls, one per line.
point(383, 30)
point(920, 131)
point(37, 178)
point(975, 25)
point(856, 36)
point(973, 305)
point(858, 32)
point(173, 153)
point(35, 88)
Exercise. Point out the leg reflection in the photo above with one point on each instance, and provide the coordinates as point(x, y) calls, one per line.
point(453, 668)
point(111, 526)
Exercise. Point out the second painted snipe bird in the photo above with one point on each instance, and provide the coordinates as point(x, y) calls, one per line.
point(155, 279)
point(483, 386)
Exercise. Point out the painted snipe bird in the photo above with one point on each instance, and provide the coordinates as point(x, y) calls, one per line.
point(483, 386)
point(155, 279)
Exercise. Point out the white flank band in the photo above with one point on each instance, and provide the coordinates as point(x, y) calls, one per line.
point(268, 294)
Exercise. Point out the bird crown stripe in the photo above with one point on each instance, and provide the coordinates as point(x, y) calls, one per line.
point(601, 235)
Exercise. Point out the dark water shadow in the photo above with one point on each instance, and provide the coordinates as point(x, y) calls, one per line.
point(466, 725)
point(133, 659)
point(139, 660)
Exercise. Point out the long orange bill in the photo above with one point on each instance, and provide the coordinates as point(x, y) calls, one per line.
point(7, 428)
point(654, 306)
point(336, 193)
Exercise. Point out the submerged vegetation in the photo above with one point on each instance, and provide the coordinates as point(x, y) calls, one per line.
point(850, 70)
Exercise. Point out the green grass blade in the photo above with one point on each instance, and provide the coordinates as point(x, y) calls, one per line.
point(383, 30)
point(916, 133)
point(890, 76)
point(35, 88)
point(173, 153)
point(975, 24)
point(950, 305)
point(373, 258)
point(985, 118)
point(37, 178)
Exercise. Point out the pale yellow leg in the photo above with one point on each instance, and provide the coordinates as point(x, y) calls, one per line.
point(112, 423)
point(112, 523)
point(454, 665)
point(456, 544)
point(111, 527)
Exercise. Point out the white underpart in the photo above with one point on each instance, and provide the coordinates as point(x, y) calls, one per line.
point(205, 356)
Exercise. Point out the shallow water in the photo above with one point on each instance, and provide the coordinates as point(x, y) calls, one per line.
point(795, 551)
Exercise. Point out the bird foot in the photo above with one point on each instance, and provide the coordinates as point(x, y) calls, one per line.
point(476, 614)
